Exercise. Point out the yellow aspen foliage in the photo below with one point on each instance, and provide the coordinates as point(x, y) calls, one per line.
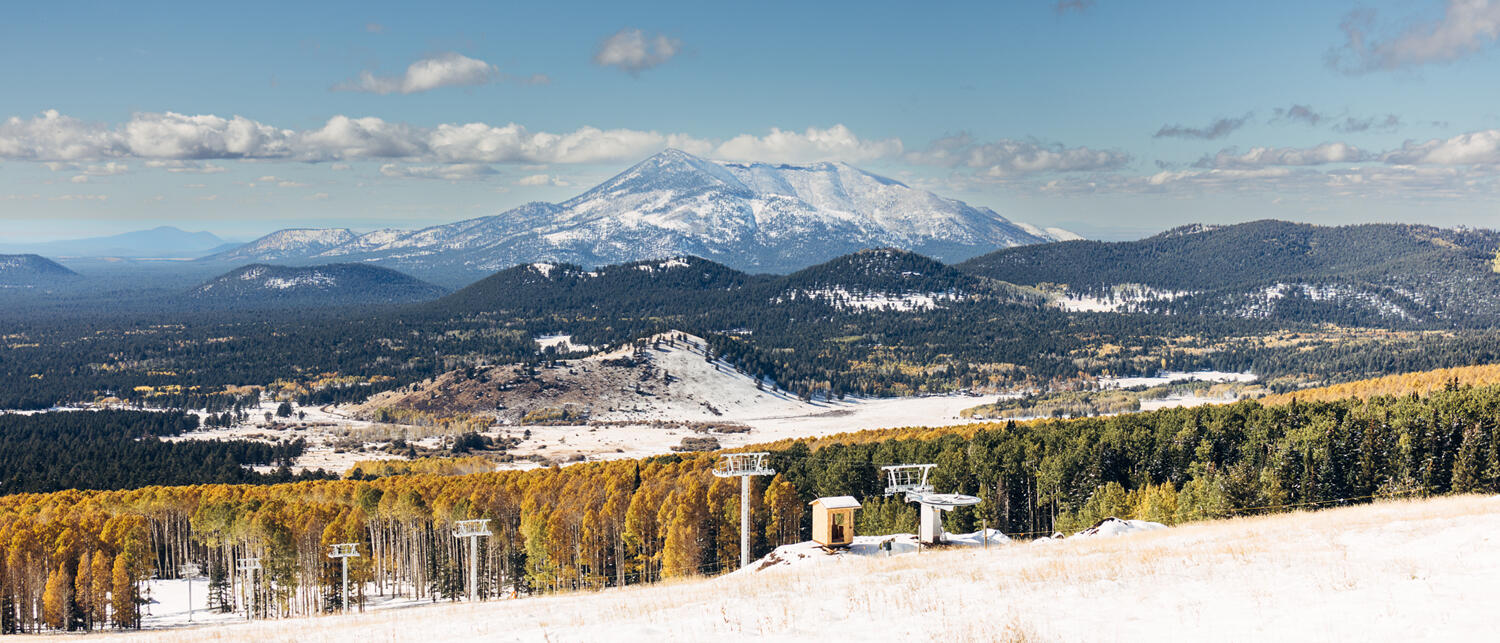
point(57, 597)
point(122, 594)
point(83, 589)
point(99, 577)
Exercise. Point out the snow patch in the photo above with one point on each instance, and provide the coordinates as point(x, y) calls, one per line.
point(844, 299)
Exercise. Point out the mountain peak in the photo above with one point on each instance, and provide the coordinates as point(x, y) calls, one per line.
point(750, 216)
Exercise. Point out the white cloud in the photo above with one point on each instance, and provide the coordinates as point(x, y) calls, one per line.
point(52, 136)
point(1268, 156)
point(446, 70)
point(452, 172)
point(1465, 149)
point(374, 27)
point(186, 167)
point(340, 167)
point(111, 168)
point(1466, 27)
point(179, 136)
point(631, 51)
point(512, 143)
point(187, 143)
point(317, 196)
point(80, 197)
point(1008, 158)
point(837, 143)
point(537, 180)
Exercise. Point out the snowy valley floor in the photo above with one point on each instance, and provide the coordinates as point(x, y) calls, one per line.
point(1405, 570)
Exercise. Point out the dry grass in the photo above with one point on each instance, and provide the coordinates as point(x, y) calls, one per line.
point(1400, 569)
point(1421, 383)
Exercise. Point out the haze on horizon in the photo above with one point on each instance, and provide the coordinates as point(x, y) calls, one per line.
point(1111, 119)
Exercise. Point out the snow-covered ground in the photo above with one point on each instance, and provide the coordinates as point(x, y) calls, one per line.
point(1122, 299)
point(564, 344)
point(799, 555)
point(902, 301)
point(1167, 377)
point(1394, 571)
point(700, 391)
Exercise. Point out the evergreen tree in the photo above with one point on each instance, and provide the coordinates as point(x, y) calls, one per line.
point(219, 599)
point(1469, 465)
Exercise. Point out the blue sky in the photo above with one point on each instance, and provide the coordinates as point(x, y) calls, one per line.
point(1110, 118)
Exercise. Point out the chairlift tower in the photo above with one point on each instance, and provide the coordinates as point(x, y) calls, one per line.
point(343, 552)
point(188, 571)
point(473, 529)
point(248, 566)
point(911, 479)
point(742, 466)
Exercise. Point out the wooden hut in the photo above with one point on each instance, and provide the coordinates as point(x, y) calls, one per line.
point(833, 521)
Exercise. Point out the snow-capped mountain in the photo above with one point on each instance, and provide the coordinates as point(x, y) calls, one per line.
point(340, 284)
point(755, 217)
point(295, 243)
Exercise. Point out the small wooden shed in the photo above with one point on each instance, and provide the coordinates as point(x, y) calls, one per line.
point(833, 521)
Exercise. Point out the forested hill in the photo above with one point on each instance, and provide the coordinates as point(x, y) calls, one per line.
point(1373, 274)
point(32, 270)
point(262, 285)
point(692, 286)
point(1198, 257)
point(883, 270)
point(665, 286)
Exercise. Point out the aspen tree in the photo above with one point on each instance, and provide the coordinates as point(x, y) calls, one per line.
point(83, 591)
point(122, 594)
point(56, 599)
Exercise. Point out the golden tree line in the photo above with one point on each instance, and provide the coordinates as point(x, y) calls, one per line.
point(77, 560)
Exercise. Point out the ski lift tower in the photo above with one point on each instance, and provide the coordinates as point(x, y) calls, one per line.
point(473, 529)
point(911, 479)
point(742, 466)
point(188, 571)
point(343, 552)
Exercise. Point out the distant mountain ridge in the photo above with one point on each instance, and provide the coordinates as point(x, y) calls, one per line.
point(262, 285)
point(752, 217)
point(1370, 274)
point(158, 242)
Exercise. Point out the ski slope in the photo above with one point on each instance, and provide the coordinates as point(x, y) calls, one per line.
point(1392, 571)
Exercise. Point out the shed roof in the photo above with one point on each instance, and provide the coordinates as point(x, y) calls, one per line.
point(837, 502)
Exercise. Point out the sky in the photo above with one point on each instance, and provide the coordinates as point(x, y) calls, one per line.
point(1109, 118)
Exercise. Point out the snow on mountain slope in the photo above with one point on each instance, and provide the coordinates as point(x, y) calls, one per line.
point(757, 217)
point(32, 270)
point(297, 243)
point(326, 284)
point(1392, 571)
